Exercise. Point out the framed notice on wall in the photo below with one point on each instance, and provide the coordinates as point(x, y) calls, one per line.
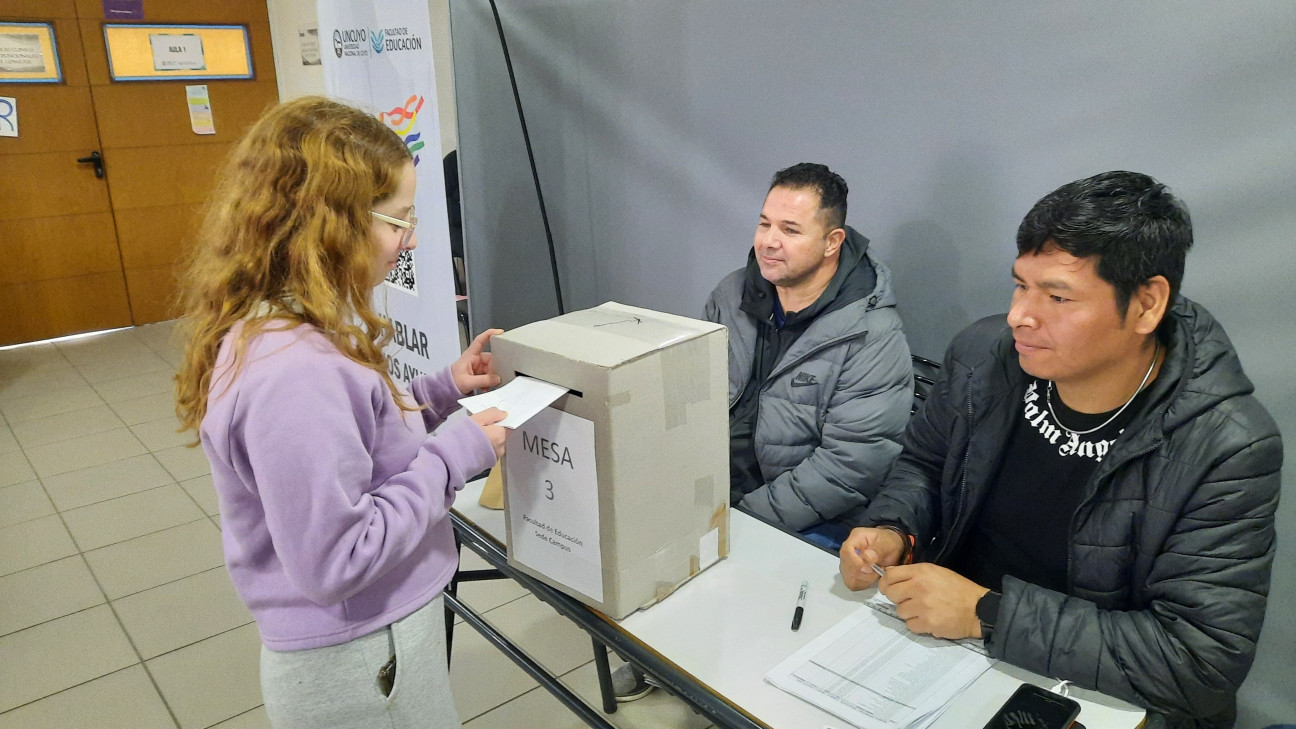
point(28, 54)
point(138, 52)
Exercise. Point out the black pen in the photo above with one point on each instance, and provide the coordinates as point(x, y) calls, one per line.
point(800, 608)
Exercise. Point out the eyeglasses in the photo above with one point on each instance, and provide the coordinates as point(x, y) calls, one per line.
point(408, 224)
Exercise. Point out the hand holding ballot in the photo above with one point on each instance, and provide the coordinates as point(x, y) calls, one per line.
point(521, 398)
point(490, 420)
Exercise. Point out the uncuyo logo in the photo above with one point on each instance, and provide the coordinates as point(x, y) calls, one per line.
point(402, 120)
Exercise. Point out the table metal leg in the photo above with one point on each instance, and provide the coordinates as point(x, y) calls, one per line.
point(452, 590)
point(533, 668)
point(604, 677)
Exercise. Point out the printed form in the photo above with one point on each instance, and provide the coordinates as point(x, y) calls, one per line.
point(871, 671)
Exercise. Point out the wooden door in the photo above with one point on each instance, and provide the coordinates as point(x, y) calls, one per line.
point(60, 270)
point(159, 171)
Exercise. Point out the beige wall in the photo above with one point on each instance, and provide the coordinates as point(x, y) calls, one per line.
point(288, 16)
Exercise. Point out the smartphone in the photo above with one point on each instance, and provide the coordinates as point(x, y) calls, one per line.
point(1031, 707)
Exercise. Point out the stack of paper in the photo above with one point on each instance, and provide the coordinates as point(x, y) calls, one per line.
point(872, 672)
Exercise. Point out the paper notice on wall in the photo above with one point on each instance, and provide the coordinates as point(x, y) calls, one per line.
point(200, 111)
point(21, 53)
point(8, 116)
point(552, 482)
point(177, 52)
point(308, 37)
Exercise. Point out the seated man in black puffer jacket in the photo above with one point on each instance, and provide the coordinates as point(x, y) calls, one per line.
point(1091, 486)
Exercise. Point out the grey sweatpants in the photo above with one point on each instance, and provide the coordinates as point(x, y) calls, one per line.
point(337, 687)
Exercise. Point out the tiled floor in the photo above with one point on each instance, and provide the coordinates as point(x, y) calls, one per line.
point(115, 607)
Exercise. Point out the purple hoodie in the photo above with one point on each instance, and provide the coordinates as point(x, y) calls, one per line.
point(334, 502)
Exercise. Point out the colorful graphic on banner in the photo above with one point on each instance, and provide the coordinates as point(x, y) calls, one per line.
point(401, 120)
point(381, 61)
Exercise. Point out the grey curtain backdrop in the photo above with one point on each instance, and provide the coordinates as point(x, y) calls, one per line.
point(657, 126)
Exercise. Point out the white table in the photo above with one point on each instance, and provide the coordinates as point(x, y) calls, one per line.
point(728, 626)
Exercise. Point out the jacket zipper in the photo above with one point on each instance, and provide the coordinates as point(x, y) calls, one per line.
point(817, 349)
point(967, 457)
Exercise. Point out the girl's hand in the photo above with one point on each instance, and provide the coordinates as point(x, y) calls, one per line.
point(473, 371)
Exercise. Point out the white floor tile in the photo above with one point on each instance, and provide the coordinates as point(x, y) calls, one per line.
point(183, 612)
point(15, 469)
point(46, 592)
point(65, 426)
point(44, 404)
point(254, 719)
point(23, 502)
point(184, 462)
point(213, 680)
point(107, 345)
point(486, 594)
point(32, 543)
point(121, 366)
point(36, 354)
point(38, 380)
point(62, 653)
point(657, 709)
point(129, 388)
point(155, 559)
point(160, 336)
point(535, 708)
point(88, 450)
point(125, 699)
point(545, 635)
point(538, 707)
point(145, 409)
point(99, 483)
point(202, 491)
point(482, 678)
point(162, 434)
point(127, 517)
point(8, 443)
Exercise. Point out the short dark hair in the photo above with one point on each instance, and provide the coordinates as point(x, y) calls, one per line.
point(1135, 226)
point(830, 186)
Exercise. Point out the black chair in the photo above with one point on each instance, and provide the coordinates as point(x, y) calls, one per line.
point(925, 372)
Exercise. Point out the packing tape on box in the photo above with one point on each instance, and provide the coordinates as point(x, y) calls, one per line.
point(686, 379)
point(720, 521)
point(665, 584)
point(617, 399)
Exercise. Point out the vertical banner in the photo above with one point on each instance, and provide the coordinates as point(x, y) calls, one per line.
point(377, 55)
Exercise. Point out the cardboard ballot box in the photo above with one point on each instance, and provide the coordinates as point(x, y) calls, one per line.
point(619, 492)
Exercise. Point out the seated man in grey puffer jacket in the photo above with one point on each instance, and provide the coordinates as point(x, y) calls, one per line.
point(820, 379)
point(1091, 486)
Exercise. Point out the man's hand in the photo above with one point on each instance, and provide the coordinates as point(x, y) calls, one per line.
point(934, 600)
point(473, 371)
point(497, 434)
point(868, 546)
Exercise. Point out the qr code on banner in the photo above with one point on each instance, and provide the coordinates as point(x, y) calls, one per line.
point(402, 277)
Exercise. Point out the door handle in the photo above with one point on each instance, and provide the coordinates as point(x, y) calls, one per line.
point(95, 159)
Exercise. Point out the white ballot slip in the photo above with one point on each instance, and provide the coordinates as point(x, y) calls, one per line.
point(521, 398)
point(871, 671)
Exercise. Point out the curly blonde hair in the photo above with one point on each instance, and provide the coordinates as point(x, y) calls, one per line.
point(289, 222)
